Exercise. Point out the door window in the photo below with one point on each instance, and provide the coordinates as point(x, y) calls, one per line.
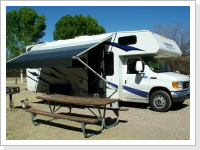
point(131, 63)
point(109, 63)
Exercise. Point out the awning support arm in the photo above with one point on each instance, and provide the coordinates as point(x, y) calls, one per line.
point(76, 57)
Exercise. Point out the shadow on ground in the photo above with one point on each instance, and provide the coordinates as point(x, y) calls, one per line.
point(178, 107)
point(146, 106)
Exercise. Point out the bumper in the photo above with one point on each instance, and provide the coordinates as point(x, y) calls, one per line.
point(180, 96)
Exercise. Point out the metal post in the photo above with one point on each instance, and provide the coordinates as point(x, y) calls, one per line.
point(11, 102)
point(21, 73)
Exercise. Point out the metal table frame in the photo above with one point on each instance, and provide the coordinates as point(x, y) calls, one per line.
point(101, 116)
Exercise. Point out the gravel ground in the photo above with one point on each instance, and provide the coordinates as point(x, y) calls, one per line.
point(138, 123)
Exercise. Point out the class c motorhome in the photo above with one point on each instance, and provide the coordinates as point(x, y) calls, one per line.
point(123, 65)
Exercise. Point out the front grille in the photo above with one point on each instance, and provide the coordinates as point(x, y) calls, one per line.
point(186, 85)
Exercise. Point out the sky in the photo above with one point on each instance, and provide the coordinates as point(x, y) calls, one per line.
point(114, 18)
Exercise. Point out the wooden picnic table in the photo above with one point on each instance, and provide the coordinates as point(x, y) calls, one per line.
point(57, 101)
point(73, 100)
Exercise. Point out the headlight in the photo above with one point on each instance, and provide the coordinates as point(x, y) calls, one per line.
point(177, 85)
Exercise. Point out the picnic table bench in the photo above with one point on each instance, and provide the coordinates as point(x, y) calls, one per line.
point(84, 102)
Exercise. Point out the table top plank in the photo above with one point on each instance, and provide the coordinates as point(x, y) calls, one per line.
point(74, 100)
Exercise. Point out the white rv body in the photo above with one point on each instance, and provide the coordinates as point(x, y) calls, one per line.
point(117, 51)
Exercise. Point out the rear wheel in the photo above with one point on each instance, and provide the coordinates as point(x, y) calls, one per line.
point(160, 101)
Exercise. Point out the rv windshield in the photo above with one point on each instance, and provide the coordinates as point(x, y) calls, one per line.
point(155, 65)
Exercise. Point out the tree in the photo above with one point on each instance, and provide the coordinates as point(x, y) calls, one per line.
point(69, 27)
point(23, 27)
point(181, 35)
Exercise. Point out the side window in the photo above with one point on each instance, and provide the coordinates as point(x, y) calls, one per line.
point(131, 63)
point(109, 64)
point(127, 40)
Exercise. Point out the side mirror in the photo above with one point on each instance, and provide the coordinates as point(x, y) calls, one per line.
point(139, 66)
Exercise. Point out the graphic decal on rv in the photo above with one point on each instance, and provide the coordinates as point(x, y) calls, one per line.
point(40, 78)
point(116, 86)
point(50, 74)
point(123, 47)
point(79, 77)
point(34, 74)
point(132, 90)
point(136, 91)
point(58, 71)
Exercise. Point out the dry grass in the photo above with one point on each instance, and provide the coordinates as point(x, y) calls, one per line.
point(139, 123)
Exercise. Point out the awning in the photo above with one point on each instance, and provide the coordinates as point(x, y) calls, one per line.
point(55, 54)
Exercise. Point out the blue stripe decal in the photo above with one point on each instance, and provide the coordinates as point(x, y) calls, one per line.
point(132, 90)
point(123, 47)
point(136, 91)
point(40, 78)
point(34, 73)
point(114, 85)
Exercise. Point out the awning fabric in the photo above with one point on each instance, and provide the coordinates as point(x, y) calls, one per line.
point(54, 54)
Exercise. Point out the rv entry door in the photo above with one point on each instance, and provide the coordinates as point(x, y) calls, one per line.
point(135, 84)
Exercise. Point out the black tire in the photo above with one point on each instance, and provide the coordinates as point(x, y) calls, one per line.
point(160, 101)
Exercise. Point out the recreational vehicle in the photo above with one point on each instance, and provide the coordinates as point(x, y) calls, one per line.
point(122, 65)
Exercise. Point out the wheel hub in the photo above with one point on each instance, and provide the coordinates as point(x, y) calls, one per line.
point(159, 101)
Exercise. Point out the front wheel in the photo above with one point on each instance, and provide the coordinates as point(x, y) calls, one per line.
point(160, 101)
